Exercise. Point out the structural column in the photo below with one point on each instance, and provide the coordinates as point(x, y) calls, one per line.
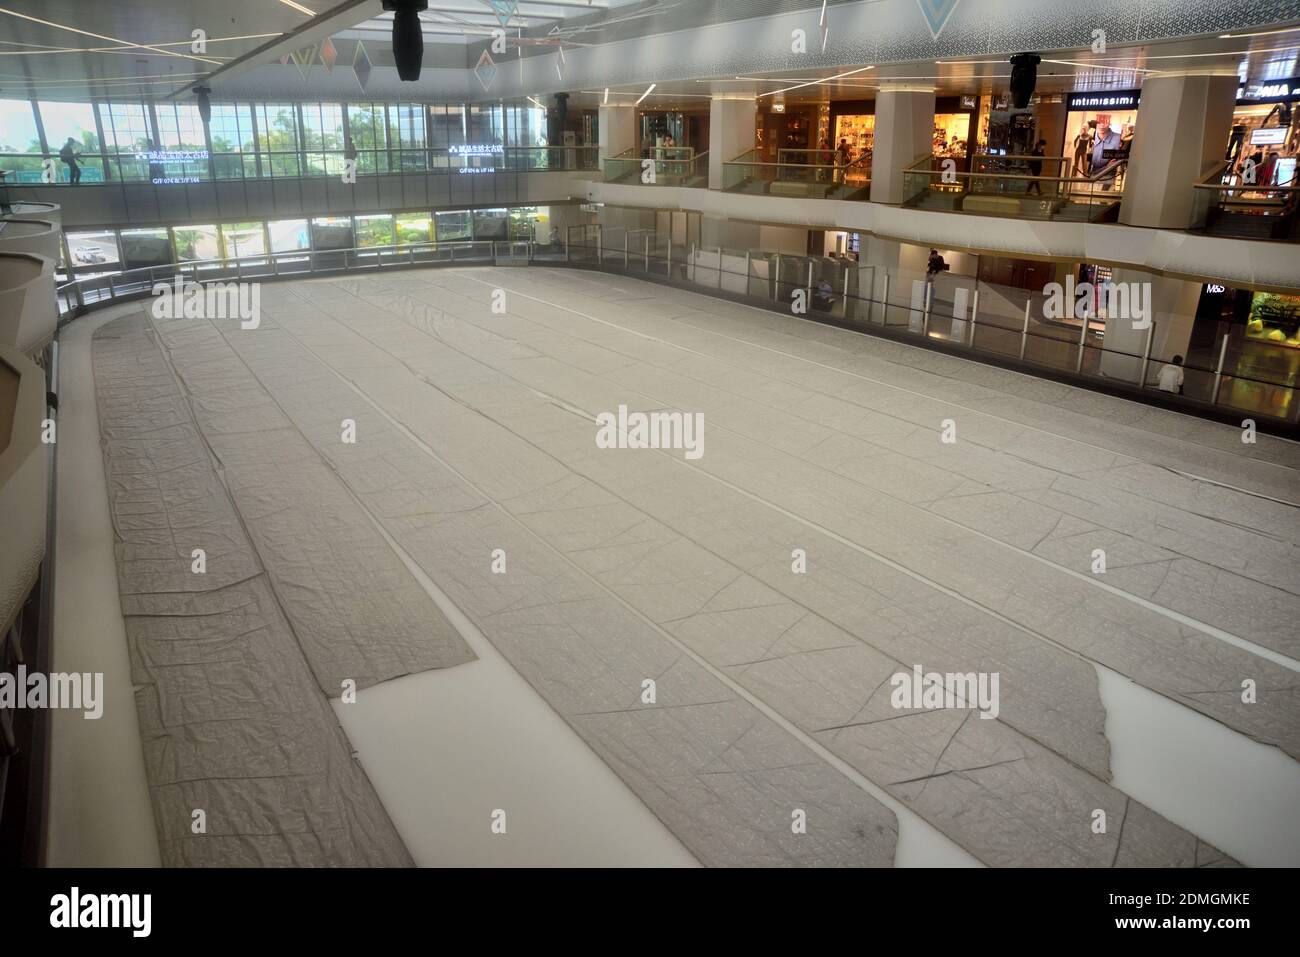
point(904, 133)
point(731, 132)
point(617, 130)
point(1182, 128)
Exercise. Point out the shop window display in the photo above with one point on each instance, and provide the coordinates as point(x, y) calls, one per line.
point(1274, 318)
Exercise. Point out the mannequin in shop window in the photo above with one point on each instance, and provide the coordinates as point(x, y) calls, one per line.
point(1107, 139)
point(1082, 147)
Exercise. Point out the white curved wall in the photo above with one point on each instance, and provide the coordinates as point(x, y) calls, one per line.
point(1233, 261)
point(28, 313)
point(26, 209)
point(39, 236)
point(23, 478)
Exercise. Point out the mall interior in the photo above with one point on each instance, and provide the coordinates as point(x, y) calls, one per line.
point(647, 433)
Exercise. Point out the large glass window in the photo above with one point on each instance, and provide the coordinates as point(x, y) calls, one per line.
point(242, 240)
point(126, 134)
point(369, 132)
point(72, 126)
point(453, 225)
point(414, 227)
point(277, 127)
point(180, 134)
point(18, 136)
point(322, 130)
point(93, 249)
point(406, 132)
point(490, 224)
point(331, 232)
point(288, 235)
point(374, 230)
point(234, 151)
point(145, 247)
point(195, 242)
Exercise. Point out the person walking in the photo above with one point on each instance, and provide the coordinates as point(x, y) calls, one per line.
point(1036, 168)
point(69, 156)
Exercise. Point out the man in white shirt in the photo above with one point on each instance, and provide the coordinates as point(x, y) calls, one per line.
point(1170, 376)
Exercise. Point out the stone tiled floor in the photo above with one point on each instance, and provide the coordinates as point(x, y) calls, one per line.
point(476, 432)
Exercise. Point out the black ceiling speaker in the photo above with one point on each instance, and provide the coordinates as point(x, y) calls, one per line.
point(202, 93)
point(408, 38)
point(1024, 77)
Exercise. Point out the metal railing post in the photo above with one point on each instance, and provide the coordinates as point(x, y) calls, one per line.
point(884, 301)
point(974, 314)
point(625, 235)
point(600, 245)
point(845, 297)
point(669, 271)
point(808, 291)
point(1024, 331)
point(1083, 344)
point(719, 267)
point(1146, 354)
point(747, 255)
point(776, 286)
point(1218, 370)
point(692, 262)
point(925, 315)
point(647, 253)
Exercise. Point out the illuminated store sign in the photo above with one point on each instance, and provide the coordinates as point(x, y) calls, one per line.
point(476, 149)
point(1118, 100)
point(172, 156)
point(1275, 91)
point(173, 180)
point(476, 169)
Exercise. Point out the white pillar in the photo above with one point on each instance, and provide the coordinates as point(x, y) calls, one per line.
point(904, 133)
point(731, 133)
point(617, 130)
point(1171, 306)
point(1182, 128)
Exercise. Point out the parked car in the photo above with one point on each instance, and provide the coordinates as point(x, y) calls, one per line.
point(88, 255)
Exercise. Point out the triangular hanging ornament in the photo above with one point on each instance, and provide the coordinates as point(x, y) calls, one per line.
point(304, 58)
point(936, 13)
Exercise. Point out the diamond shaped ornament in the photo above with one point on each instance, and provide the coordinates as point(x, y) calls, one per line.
point(361, 64)
point(328, 54)
point(486, 70)
point(504, 9)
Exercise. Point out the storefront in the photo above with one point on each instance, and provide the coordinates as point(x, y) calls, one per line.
point(1265, 134)
point(1099, 134)
point(853, 124)
point(683, 130)
point(781, 127)
point(954, 126)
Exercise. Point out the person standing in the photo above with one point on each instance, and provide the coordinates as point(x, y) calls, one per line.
point(69, 156)
point(1036, 168)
